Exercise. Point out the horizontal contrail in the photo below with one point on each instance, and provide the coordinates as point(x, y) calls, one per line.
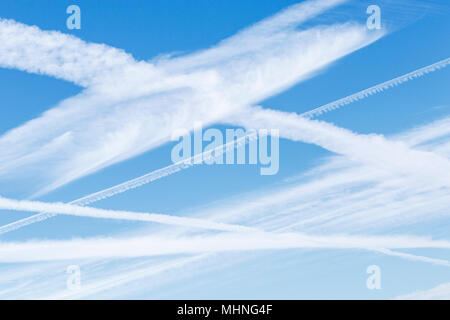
point(254, 239)
point(49, 250)
point(134, 183)
point(157, 174)
point(74, 210)
point(377, 88)
point(242, 237)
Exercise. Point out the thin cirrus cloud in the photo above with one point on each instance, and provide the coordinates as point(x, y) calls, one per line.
point(108, 121)
point(248, 239)
point(378, 202)
point(338, 196)
point(127, 185)
point(364, 190)
point(345, 194)
point(55, 54)
point(395, 157)
point(427, 134)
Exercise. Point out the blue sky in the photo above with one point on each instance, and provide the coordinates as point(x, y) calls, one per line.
point(349, 184)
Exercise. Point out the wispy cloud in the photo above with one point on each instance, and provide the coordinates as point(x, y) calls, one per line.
point(127, 185)
point(56, 54)
point(375, 184)
point(344, 193)
point(169, 94)
point(423, 136)
point(375, 150)
point(338, 197)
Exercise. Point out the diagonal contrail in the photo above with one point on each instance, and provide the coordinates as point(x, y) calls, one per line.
point(74, 210)
point(157, 174)
point(135, 183)
point(377, 88)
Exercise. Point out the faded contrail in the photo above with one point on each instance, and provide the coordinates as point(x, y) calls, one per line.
point(134, 183)
point(157, 174)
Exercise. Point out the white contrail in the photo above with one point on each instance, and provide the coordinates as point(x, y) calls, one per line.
point(117, 106)
point(134, 183)
point(160, 173)
point(58, 55)
point(70, 209)
point(155, 246)
point(242, 237)
point(377, 88)
point(393, 157)
point(254, 239)
point(157, 174)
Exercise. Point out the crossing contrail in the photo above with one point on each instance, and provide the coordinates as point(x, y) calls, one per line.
point(74, 210)
point(135, 183)
point(160, 173)
point(147, 246)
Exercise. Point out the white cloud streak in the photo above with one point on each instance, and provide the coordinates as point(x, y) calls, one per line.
point(55, 54)
point(377, 88)
point(128, 185)
point(338, 197)
point(412, 257)
point(109, 121)
point(68, 209)
point(153, 246)
point(271, 67)
point(394, 157)
point(342, 194)
point(315, 112)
